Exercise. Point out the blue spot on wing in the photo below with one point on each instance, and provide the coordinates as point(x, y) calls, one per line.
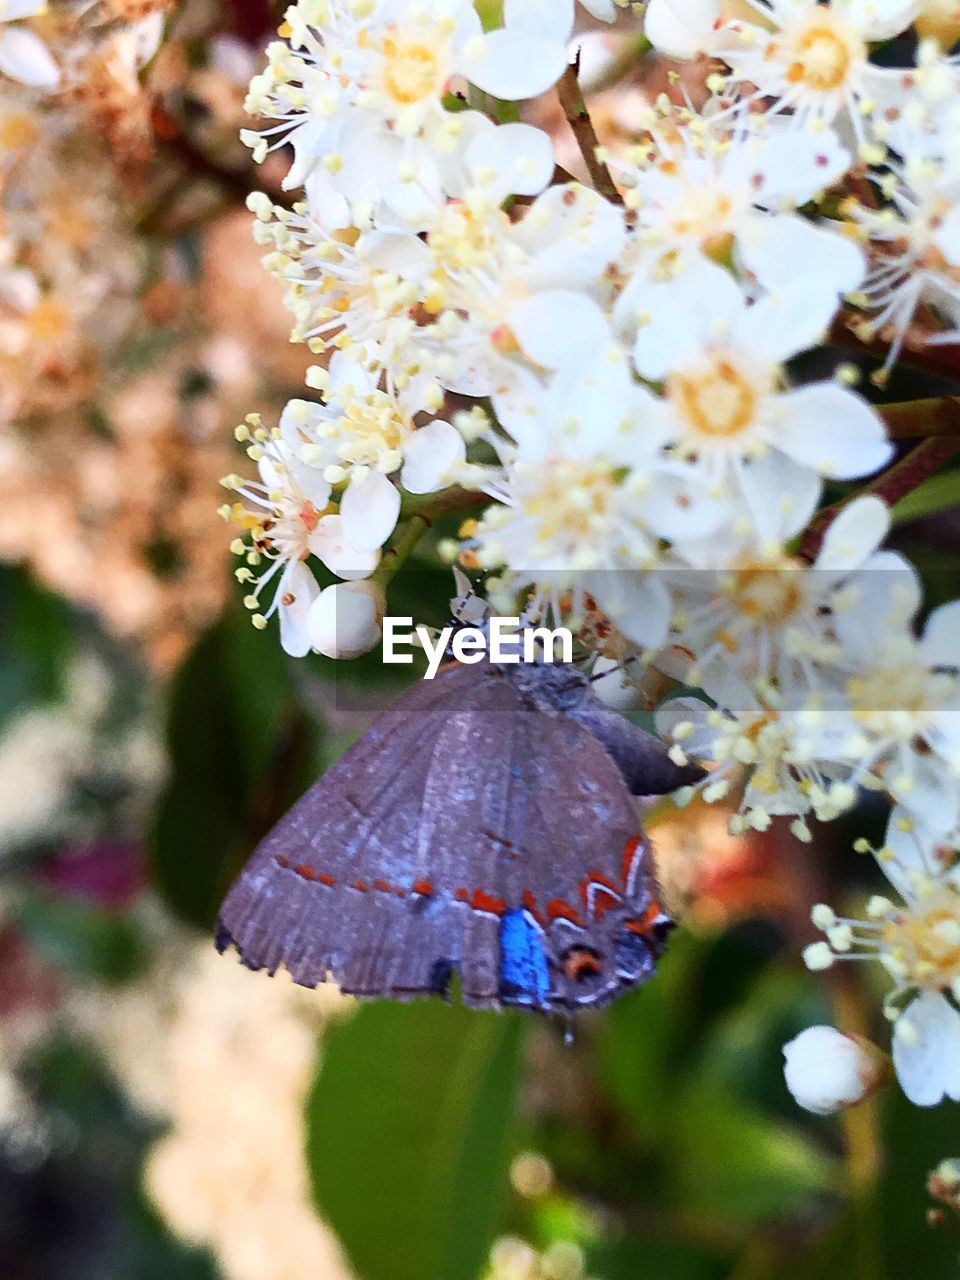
point(524, 976)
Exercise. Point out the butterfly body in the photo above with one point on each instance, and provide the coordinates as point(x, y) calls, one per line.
point(481, 826)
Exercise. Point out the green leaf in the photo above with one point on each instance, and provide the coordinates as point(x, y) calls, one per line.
point(241, 752)
point(410, 1131)
point(732, 1161)
point(35, 638)
point(941, 492)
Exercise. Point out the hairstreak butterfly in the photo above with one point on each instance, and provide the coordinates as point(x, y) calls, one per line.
point(484, 825)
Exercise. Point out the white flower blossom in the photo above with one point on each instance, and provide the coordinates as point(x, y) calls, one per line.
point(812, 59)
point(826, 1070)
point(725, 404)
point(917, 940)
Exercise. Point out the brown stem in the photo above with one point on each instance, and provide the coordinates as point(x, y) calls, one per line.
point(913, 419)
point(578, 117)
point(902, 478)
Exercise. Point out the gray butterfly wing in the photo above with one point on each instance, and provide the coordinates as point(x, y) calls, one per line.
point(467, 831)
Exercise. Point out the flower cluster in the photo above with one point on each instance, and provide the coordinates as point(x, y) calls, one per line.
point(621, 376)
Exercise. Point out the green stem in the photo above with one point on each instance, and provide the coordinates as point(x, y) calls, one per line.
point(433, 505)
point(936, 416)
point(400, 551)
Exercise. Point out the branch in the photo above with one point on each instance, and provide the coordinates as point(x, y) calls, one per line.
point(578, 117)
point(936, 416)
point(895, 483)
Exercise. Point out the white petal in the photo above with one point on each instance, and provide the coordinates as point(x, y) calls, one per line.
point(770, 247)
point(638, 604)
point(879, 19)
point(25, 57)
point(782, 324)
point(681, 28)
point(888, 594)
point(558, 326)
point(512, 65)
point(431, 457)
point(515, 159)
point(11, 10)
point(605, 10)
point(328, 543)
point(832, 430)
point(612, 688)
point(940, 645)
point(550, 18)
point(682, 317)
point(913, 852)
point(571, 234)
point(369, 510)
point(794, 165)
point(299, 583)
point(345, 620)
point(926, 1050)
point(781, 496)
point(855, 534)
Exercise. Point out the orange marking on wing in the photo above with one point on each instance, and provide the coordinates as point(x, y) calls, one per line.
point(384, 886)
point(607, 897)
point(281, 861)
point(422, 886)
point(361, 885)
point(560, 909)
point(462, 895)
point(303, 870)
point(530, 903)
point(629, 852)
point(482, 901)
point(325, 879)
point(643, 924)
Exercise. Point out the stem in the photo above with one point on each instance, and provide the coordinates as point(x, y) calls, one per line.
point(397, 554)
point(937, 416)
point(943, 361)
point(431, 505)
point(578, 117)
point(902, 478)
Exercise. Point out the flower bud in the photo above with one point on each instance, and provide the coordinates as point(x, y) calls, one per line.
point(826, 1070)
point(345, 619)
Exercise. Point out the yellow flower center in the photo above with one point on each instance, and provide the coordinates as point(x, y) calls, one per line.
point(767, 591)
point(821, 53)
point(412, 71)
point(717, 400)
point(925, 943)
point(570, 502)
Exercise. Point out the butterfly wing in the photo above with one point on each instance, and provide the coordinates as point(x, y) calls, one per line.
point(467, 831)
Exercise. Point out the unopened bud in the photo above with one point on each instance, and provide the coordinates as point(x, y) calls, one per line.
point(345, 619)
point(826, 1070)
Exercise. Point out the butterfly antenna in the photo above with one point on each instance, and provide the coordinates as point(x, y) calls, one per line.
point(621, 666)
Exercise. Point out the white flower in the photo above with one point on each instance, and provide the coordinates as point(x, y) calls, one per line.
point(361, 436)
point(699, 187)
point(815, 62)
point(917, 242)
point(897, 717)
point(360, 95)
point(918, 943)
point(826, 1070)
point(23, 55)
point(743, 613)
point(288, 517)
point(725, 404)
point(345, 619)
point(764, 749)
point(926, 1050)
point(522, 298)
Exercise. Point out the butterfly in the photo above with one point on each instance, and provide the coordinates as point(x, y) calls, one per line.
point(484, 826)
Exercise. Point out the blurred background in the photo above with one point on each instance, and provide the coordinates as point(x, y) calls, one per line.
point(167, 1115)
